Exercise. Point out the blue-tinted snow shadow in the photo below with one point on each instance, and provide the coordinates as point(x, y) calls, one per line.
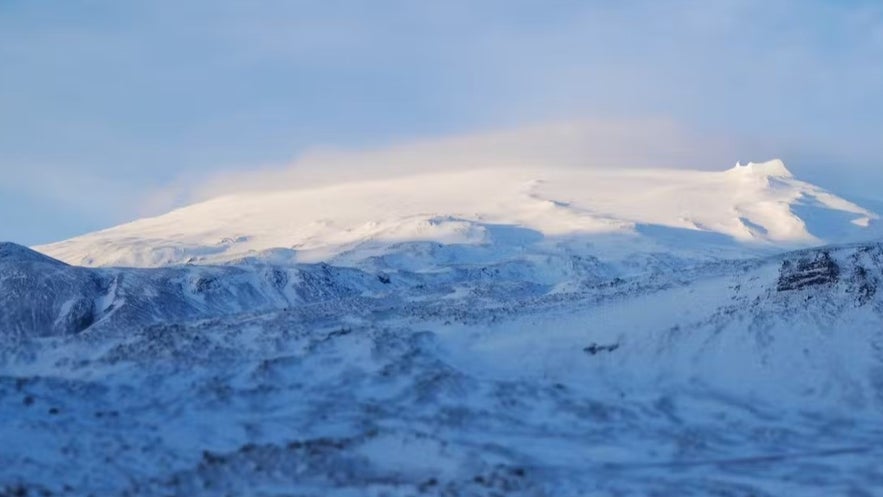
point(512, 235)
point(686, 238)
point(824, 222)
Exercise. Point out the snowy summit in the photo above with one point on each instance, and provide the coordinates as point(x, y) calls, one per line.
point(614, 212)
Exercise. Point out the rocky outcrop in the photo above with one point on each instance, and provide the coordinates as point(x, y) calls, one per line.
point(809, 271)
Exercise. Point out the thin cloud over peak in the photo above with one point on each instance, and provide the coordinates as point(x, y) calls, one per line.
point(596, 143)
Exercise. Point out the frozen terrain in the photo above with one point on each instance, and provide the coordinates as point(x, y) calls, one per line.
point(616, 212)
point(536, 333)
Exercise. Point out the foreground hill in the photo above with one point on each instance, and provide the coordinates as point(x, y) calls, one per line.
point(760, 376)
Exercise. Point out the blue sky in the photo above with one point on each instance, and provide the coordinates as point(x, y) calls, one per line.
point(105, 106)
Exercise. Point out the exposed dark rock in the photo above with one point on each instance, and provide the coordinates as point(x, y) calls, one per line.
point(594, 348)
point(819, 269)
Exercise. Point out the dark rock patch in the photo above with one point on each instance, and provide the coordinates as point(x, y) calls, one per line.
point(806, 272)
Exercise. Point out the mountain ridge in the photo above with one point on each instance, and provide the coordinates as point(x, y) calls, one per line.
point(747, 209)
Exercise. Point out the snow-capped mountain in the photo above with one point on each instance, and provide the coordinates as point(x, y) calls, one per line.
point(617, 212)
point(537, 333)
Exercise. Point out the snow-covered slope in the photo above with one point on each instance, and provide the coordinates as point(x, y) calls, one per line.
point(522, 332)
point(617, 212)
point(753, 377)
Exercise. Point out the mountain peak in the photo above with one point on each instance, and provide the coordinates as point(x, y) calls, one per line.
point(770, 169)
point(602, 211)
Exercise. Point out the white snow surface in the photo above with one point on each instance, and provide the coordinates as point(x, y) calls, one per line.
point(616, 212)
point(524, 332)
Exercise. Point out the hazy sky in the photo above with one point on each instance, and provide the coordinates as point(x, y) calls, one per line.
point(110, 110)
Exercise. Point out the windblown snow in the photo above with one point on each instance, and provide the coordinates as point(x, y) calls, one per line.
point(519, 332)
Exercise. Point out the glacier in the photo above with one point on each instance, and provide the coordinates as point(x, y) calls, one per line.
point(534, 332)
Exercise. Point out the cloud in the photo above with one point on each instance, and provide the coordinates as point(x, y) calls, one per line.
point(615, 143)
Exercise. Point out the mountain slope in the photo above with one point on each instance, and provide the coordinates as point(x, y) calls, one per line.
point(533, 333)
point(40, 296)
point(619, 213)
point(751, 377)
